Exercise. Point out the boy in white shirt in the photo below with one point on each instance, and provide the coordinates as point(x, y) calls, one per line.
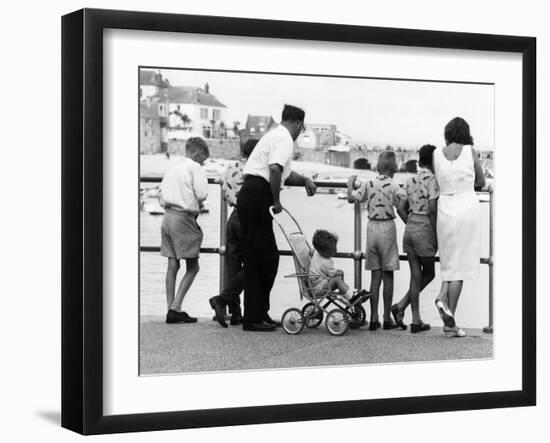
point(183, 189)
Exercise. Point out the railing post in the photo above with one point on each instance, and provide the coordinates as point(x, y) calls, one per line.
point(223, 223)
point(489, 328)
point(357, 255)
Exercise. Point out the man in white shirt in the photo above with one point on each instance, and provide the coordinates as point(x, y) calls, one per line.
point(267, 169)
point(183, 189)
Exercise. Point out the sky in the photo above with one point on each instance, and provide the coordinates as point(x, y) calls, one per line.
point(373, 111)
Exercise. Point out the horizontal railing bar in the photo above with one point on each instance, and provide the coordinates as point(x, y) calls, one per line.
point(287, 252)
point(319, 184)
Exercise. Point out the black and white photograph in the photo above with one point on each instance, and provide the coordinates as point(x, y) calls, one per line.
point(303, 221)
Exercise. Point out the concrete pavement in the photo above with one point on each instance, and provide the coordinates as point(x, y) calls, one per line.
point(206, 346)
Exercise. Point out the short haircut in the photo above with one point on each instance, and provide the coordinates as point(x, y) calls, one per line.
point(458, 131)
point(425, 156)
point(386, 162)
point(322, 240)
point(249, 146)
point(197, 144)
point(293, 114)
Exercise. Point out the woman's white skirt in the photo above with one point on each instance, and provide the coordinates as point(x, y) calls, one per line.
point(459, 236)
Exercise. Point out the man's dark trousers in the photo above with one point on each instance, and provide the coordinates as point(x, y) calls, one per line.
point(261, 256)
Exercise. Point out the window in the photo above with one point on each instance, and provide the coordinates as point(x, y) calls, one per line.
point(216, 114)
point(204, 113)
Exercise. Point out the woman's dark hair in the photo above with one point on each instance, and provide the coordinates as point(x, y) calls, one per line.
point(458, 131)
point(249, 146)
point(293, 114)
point(322, 240)
point(425, 156)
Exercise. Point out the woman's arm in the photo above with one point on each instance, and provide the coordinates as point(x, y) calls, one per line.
point(480, 176)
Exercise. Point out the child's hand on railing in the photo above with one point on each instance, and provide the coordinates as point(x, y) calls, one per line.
point(351, 187)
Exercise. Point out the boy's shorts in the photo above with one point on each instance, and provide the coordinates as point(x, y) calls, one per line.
point(181, 235)
point(382, 250)
point(419, 238)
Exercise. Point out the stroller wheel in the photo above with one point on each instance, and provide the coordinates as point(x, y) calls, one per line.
point(337, 322)
point(293, 321)
point(358, 316)
point(313, 316)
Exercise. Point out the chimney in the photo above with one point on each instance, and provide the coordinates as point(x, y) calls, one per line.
point(207, 88)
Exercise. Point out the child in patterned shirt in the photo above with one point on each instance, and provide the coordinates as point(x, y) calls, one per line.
point(382, 256)
point(234, 243)
point(418, 210)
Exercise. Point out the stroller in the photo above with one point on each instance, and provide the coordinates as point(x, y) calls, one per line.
point(344, 314)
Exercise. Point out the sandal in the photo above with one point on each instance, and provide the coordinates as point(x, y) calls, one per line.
point(398, 316)
point(455, 332)
point(420, 327)
point(445, 313)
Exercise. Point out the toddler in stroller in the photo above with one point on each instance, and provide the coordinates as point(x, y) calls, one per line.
point(321, 284)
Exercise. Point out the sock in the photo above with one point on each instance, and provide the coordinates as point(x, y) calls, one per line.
point(350, 293)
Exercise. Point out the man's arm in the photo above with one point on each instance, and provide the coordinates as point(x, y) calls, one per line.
point(480, 176)
point(275, 172)
point(295, 179)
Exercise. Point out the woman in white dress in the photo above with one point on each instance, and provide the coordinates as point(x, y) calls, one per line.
point(458, 172)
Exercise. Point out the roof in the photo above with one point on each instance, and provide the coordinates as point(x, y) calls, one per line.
point(187, 94)
point(148, 112)
point(152, 78)
point(259, 120)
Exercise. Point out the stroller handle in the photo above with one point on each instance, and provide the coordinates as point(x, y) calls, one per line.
point(276, 218)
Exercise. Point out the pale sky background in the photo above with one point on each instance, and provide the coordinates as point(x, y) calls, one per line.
point(403, 113)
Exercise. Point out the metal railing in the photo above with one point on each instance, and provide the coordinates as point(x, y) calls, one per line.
point(357, 255)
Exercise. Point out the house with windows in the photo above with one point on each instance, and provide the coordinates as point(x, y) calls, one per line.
point(150, 84)
point(256, 126)
point(149, 130)
point(317, 136)
point(190, 110)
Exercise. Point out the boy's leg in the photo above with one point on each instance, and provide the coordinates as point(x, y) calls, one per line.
point(376, 278)
point(428, 271)
point(192, 269)
point(414, 286)
point(171, 274)
point(387, 277)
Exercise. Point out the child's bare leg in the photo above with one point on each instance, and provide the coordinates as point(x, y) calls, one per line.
point(171, 274)
point(455, 288)
point(428, 274)
point(192, 269)
point(387, 278)
point(376, 278)
point(338, 283)
point(414, 287)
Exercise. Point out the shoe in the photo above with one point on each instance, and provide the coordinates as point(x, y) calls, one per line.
point(445, 313)
point(420, 327)
point(374, 325)
point(398, 316)
point(362, 295)
point(236, 319)
point(179, 317)
point(263, 327)
point(219, 309)
point(270, 321)
point(389, 324)
point(454, 332)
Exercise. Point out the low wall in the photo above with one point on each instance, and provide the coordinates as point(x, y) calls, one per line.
point(228, 149)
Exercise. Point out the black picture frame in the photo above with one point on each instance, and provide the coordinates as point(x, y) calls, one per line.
point(82, 218)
